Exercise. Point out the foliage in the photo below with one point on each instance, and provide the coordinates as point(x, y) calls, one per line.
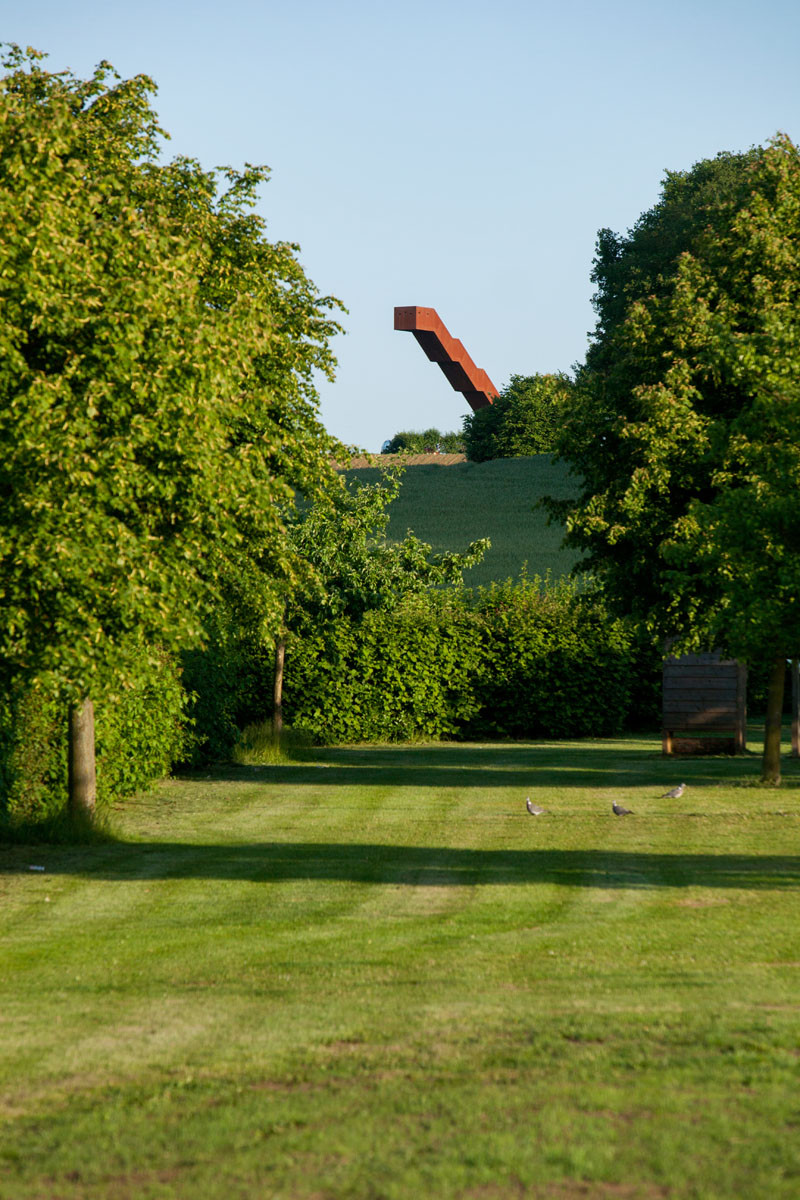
point(424, 442)
point(156, 386)
point(647, 420)
point(140, 733)
point(522, 659)
point(348, 569)
point(736, 316)
point(687, 431)
point(352, 566)
point(641, 264)
point(224, 682)
point(555, 663)
point(354, 572)
point(395, 674)
point(523, 420)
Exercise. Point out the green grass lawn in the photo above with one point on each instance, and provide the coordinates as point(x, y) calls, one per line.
point(372, 974)
point(449, 507)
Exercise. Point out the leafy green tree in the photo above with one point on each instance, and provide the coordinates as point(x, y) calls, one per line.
point(419, 441)
point(351, 566)
point(643, 262)
point(522, 421)
point(687, 430)
point(156, 397)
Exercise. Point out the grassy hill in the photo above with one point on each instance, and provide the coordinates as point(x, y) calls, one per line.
point(454, 505)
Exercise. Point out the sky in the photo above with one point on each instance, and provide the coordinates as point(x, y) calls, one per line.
point(449, 154)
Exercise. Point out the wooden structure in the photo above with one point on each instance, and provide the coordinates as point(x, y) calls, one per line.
point(449, 353)
point(704, 705)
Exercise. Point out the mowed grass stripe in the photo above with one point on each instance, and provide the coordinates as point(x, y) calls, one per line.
point(449, 507)
point(345, 978)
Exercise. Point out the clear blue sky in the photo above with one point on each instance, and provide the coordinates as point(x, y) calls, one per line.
point(445, 153)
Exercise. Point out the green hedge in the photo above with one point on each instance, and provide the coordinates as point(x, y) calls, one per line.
point(393, 675)
point(139, 735)
point(511, 661)
point(518, 660)
point(554, 664)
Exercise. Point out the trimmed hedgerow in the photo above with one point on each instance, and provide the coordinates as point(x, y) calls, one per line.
point(516, 660)
point(555, 663)
point(395, 674)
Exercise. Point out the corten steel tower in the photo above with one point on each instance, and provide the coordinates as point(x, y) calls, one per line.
point(449, 353)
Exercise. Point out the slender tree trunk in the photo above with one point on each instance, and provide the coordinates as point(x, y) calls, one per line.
point(82, 778)
point(771, 762)
point(277, 689)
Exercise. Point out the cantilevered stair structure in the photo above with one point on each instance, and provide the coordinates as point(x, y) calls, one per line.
point(449, 353)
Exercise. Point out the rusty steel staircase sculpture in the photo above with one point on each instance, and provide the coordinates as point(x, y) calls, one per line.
point(449, 353)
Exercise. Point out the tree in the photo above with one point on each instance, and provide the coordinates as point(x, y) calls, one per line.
point(643, 262)
point(686, 433)
point(418, 442)
point(522, 421)
point(352, 567)
point(157, 405)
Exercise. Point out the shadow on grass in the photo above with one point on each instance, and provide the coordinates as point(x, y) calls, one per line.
point(556, 764)
point(427, 866)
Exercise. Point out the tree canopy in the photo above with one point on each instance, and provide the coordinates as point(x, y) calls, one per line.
point(685, 433)
point(157, 406)
point(353, 566)
point(522, 420)
point(421, 441)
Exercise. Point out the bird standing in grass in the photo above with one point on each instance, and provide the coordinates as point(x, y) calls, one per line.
point(620, 811)
point(533, 809)
point(674, 793)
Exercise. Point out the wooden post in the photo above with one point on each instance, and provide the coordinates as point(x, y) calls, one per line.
point(80, 761)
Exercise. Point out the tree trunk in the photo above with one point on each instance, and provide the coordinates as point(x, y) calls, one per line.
point(277, 689)
point(81, 766)
point(771, 762)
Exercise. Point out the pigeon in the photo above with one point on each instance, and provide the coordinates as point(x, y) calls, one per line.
point(533, 809)
point(620, 811)
point(674, 793)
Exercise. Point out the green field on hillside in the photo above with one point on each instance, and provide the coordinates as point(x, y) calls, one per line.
point(372, 976)
point(454, 505)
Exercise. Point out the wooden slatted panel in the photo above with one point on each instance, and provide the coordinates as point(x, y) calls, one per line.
point(703, 694)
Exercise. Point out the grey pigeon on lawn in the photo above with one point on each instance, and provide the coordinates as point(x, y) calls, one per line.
point(674, 793)
point(533, 809)
point(620, 811)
